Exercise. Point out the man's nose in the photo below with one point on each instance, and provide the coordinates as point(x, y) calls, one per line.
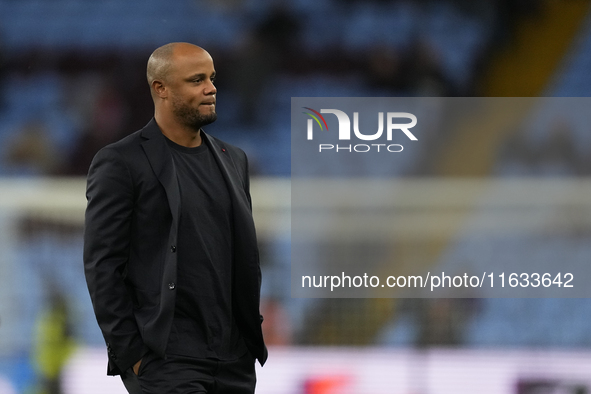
point(210, 88)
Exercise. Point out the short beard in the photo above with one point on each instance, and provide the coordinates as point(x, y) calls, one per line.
point(190, 116)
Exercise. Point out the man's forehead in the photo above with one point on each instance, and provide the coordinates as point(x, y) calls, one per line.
point(192, 58)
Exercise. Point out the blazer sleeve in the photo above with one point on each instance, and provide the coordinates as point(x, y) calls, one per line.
point(246, 177)
point(110, 201)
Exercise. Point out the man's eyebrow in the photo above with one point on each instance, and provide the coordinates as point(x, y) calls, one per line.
point(200, 75)
point(195, 76)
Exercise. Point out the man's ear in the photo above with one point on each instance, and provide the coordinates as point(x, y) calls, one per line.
point(159, 89)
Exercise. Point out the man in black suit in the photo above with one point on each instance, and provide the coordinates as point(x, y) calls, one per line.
point(170, 250)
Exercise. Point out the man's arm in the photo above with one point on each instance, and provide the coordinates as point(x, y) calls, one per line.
point(110, 197)
point(247, 191)
point(246, 176)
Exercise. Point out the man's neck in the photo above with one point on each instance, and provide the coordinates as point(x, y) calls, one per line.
point(179, 134)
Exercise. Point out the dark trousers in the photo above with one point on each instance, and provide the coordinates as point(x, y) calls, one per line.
point(187, 375)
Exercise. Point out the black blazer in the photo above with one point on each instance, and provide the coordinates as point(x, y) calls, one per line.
point(130, 236)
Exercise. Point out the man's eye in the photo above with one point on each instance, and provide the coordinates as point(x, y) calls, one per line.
point(212, 79)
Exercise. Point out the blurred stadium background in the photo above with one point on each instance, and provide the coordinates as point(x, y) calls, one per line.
point(73, 80)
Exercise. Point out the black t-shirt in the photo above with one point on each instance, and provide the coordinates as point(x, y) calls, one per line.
point(203, 325)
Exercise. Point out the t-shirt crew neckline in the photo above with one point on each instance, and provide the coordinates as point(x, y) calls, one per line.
point(184, 149)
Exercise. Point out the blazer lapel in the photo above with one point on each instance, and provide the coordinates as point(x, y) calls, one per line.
point(230, 174)
point(162, 164)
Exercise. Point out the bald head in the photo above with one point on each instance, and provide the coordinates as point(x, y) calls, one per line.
point(162, 60)
point(159, 62)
